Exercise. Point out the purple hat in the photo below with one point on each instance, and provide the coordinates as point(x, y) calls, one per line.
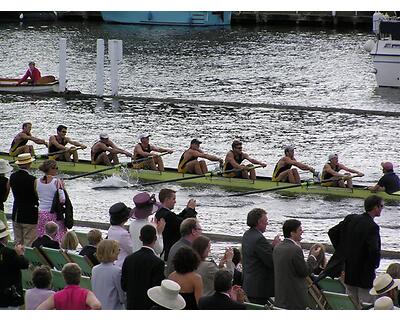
point(145, 205)
point(387, 165)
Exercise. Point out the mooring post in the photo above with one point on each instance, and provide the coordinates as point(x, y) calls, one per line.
point(100, 68)
point(62, 69)
point(115, 56)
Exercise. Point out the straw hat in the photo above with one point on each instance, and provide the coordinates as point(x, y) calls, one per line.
point(167, 295)
point(383, 303)
point(24, 158)
point(4, 167)
point(383, 283)
point(3, 230)
point(145, 205)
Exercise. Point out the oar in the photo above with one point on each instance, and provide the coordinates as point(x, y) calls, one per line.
point(149, 157)
point(208, 174)
point(41, 156)
point(93, 172)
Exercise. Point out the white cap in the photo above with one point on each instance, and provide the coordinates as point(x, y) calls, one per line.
point(383, 303)
point(144, 135)
point(103, 135)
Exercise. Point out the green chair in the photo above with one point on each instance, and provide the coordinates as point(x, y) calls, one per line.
point(58, 280)
point(27, 279)
point(35, 257)
point(82, 237)
point(331, 285)
point(56, 257)
point(340, 301)
point(254, 306)
point(86, 283)
point(11, 244)
point(83, 261)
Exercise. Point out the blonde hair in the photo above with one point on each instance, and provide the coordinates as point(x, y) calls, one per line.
point(321, 258)
point(107, 250)
point(69, 241)
point(394, 270)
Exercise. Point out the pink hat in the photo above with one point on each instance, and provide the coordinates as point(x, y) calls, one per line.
point(387, 165)
point(145, 205)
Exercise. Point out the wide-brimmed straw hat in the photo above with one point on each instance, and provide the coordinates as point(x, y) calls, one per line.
point(24, 158)
point(145, 205)
point(3, 230)
point(383, 283)
point(4, 167)
point(167, 295)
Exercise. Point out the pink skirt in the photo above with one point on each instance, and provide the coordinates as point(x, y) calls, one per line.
point(45, 217)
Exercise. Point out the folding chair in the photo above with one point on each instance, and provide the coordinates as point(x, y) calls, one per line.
point(254, 306)
point(83, 261)
point(27, 279)
point(316, 299)
point(58, 280)
point(56, 257)
point(86, 283)
point(331, 285)
point(35, 257)
point(82, 237)
point(340, 301)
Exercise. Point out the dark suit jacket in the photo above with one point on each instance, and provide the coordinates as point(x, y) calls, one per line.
point(46, 242)
point(258, 268)
point(171, 233)
point(290, 275)
point(219, 301)
point(90, 252)
point(141, 271)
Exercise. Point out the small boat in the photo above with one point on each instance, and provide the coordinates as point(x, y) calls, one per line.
point(47, 85)
point(171, 18)
point(84, 166)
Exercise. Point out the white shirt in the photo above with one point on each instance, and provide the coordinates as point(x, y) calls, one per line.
point(125, 242)
point(46, 193)
point(134, 229)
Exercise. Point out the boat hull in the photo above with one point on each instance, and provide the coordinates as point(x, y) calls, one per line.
point(386, 60)
point(9, 86)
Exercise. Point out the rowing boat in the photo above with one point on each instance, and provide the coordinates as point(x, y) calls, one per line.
point(262, 182)
point(10, 86)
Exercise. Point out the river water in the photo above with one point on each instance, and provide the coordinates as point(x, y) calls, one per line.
point(286, 66)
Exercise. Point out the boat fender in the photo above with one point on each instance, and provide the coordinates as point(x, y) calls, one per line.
point(369, 45)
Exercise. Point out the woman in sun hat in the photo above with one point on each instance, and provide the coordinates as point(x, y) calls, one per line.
point(145, 206)
point(167, 296)
point(4, 188)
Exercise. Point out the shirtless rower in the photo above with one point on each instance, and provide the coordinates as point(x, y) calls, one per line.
point(144, 150)
point(19, 144)
point(283, 170)
point(106, 152)
point(189, 163)
point(233, 160)
point(59, 141)
point(331, 172)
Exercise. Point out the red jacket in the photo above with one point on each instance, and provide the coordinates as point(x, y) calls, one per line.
point(34, 75)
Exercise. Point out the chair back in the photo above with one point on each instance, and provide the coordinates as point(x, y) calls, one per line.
point(83, 262)
point(86, 283)
point(82, 238)
point(35, 257)
point(331, 285)
point(27, 282)
point(58, 280)
point(255, 306)
point(340, 301)
point(56, 257)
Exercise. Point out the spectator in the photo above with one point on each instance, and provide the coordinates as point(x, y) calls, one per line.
point(145, 206)
point(141, 271)
point(11, 263)
point(4, 189)
point(72, 297)
point(394, 270)
point(47, 240)
point(185, 263)
point(171, 233)
point(237, 273)
point(384, 303)
point(207, 269)
point(106, 277)
point(190, 230)
point(166, 296)
point(94, 237)
point(221, 299)
point(321, 258)
point(41, 278)
point(119, 214)
point(26, 201)
point(70, 241)
point(385, 285)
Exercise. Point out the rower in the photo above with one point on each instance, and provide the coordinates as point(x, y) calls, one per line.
point(189, 163)
point(331, 172)
point(233, 160)
point(283, 170)
point(389, 182)
point(19, 144)
point(106, 152)
point(145, 150)
point(33, 73)
point(58, 143)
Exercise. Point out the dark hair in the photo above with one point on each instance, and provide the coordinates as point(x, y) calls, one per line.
point(25, 124)
point(237, 256)
point(185, 260)
point(148, 234)
point(165, 194)
point(222, 281)
point(71, 273)
point(47, 165)
point(94, 236)
point(236, 143)
point(371, 202)
point(187, 226)
point(61, 127)
point(289, 226)
point(41, 277)
point(253, 216)
point(200, 245)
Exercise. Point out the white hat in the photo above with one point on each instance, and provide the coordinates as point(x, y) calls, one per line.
point(3, 230)
point(332, 155)
point(167, 295)
point(4, 166)
point(383, 303)
point(103, 135)
point(24, 158)
point(144, 135)
point(383, 283)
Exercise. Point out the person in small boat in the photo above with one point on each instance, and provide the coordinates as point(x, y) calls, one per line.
point(144, 150)
point(19, 144)
point(106, 152)
point(58, 143)
point(188, 162)
point(233, 160)
point(283, 170)
point(33, 73)
point(389, 182)
point(331, 172)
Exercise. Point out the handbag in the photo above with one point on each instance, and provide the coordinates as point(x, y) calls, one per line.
point(64, 211)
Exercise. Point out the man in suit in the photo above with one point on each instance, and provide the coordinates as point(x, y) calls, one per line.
point(47, 240)
point(258, 268)
point(141, 271)
point(173, 221)
point(290, 268)
point(221, 299)
point(358, 243)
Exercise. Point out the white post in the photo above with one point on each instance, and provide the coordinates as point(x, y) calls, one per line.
point(112, 53)
point(62, 71)
point(100, 68)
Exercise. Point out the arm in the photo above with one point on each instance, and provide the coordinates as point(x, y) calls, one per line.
point(263, 251)
point(32, 138)
point(198, 288)
point(343, 167)
point(379, 186)
point(205, 156)
point(158, 149)
point(254, 161)
point(48, 304)
point(26, 76)
point(298, 164)
point(92, 301)
point(327, 168)
point(115, 149)
point(75, 143)
point(374, 245)
point(301, 267)
point(117, 278)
